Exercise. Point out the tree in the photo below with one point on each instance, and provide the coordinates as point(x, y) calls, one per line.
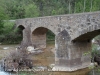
point(31, 10)
point(96, 5)
point(3, 16)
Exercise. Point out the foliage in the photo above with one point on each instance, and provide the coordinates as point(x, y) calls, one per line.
point(8, 26)
point(9, 36)
point(50, 35)
point(94, 50)
point(31, 10)
point(1, 26)
point(16, 9)
point(2, 17)
point(96, 46)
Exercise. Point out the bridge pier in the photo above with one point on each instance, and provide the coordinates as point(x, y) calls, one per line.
point(71, 56)
point(26, 41)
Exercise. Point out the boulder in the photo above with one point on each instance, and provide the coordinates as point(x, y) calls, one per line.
point(30, 48)
point(52, 65)
point(92, 65)
point(33, 50)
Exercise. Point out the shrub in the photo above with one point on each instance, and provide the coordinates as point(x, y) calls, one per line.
point(21, 57)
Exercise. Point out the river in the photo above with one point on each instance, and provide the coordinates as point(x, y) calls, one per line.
point(43, 60)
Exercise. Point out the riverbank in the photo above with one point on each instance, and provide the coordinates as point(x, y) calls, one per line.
point(42, 62)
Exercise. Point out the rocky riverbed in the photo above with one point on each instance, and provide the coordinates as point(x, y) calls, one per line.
point(43, 62)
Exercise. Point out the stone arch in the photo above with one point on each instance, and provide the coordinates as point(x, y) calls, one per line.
point(21, 27)
point(40, 30)
point(39, 37)
point(88, 33)
point(48, 28)
point(20, 32)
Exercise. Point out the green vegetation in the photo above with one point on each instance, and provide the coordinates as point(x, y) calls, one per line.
point(50, 35)
point(16, 9)
point(8, 35)
point(96, 46)
point(94, 50)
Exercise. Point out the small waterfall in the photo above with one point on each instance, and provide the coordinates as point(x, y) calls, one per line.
point(2, 72)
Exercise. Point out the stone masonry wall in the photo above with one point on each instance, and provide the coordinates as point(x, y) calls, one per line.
point(39, 41)
point(73, 23)
point(72, 55)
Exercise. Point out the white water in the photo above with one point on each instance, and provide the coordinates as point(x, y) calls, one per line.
point(3, 73)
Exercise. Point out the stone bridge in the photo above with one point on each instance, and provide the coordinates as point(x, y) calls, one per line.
point(73, 35)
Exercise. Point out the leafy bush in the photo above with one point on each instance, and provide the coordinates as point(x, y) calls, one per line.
point(50, 35)
point(10, 35)
point(94, 50)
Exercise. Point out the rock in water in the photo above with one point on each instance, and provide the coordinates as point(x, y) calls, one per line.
point(33, 50)
point(6, 48)
point(52, 65)
point(30, 48)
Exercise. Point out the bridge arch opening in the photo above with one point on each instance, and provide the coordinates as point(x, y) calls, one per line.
point(90, 40)
point(20, 29)
point(44, 39)
point(88, 36)
point(41, 36)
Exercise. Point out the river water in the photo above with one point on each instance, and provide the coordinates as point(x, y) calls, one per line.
point(43, 60)
point(3, 73)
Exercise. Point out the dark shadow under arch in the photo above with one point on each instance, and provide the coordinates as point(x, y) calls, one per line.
point(20, 29)
point(40, 30)
point(87, 36)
